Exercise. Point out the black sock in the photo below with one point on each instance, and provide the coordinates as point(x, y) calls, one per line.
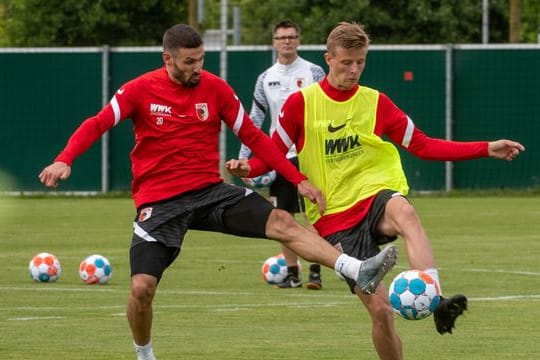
point(293, 270)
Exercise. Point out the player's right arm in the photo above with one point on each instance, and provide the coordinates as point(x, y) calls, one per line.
point(289, 131)
point(259, 108)
point(87, 134)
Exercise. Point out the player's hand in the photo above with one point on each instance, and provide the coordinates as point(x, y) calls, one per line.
point(505, 149)
point(238, 168)
point(308, 190)
point(53, 173)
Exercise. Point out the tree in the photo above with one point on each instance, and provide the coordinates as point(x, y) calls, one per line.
point(88, 22)
point(530, 21)
point(387, 21)
point(122, 23)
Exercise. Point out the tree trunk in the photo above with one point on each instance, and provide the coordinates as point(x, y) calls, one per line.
point(515, 21)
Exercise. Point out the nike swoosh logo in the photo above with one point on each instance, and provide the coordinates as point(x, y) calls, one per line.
point(281, 114)
point(295, 283)
point(334, 129)
point(120, 91)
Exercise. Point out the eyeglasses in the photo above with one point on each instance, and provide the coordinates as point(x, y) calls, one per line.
point(283, 38)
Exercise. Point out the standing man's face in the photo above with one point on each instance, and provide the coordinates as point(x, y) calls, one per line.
point(286, 41)
point(185, 66)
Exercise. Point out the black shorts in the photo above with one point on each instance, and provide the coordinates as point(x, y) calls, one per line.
point(159, 228)
point(362, 241)
point(285, 193)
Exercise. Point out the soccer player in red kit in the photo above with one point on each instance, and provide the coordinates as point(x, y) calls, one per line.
point(338, 128)
point(177, 112)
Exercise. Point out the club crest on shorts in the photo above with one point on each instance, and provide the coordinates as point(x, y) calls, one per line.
point(202, 111)
point(145, 214)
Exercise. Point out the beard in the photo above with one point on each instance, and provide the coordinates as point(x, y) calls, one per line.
point(190, 81)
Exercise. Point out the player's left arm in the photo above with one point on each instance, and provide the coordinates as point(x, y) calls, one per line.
point(394, 123)
point(505, 149)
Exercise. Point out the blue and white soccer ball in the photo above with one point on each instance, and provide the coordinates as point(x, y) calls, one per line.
point(264, 180)
point(95, 269)
point(414, 295)
point(274, 269)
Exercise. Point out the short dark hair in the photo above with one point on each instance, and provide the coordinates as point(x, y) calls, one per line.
point(181, 36)
point(285, 24)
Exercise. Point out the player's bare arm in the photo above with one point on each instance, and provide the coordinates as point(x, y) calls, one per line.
point(53, 173)
point(505, 149)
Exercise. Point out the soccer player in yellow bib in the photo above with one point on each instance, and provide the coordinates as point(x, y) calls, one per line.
point(337, 127)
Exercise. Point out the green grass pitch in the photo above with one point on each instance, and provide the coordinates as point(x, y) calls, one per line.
point(213, 304)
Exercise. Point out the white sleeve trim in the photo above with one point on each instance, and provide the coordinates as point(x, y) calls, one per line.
point(283, 135)
point(116, 109)
point(408, 133)
point(239, 119)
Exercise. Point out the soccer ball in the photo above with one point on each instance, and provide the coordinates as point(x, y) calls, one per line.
point(274, 269)
point(95, 269)
point(414, 295)
point(44, 267)
point(264, 180)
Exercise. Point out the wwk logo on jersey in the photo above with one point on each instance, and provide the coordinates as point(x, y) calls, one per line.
point(158, 109)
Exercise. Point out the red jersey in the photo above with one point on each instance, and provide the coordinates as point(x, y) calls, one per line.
point(390, 121)
point(176, 134)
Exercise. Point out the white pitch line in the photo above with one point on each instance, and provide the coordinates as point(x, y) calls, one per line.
point(232, 307)
point(32, 318)
point(506, 272)
point(44, 287)
point(238, 292)
point(224, 307)
point(507, 298)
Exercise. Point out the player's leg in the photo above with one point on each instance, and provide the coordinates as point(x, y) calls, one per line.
point(140, 314)
point(148, 260)
point(157, 239)
point(292, 280)
point(284, 195)
point(255, 217)
point(383, 331)
point(368, 273)
point(400, 218)
point(362, 243)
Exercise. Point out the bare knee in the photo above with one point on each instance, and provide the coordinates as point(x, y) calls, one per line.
point(383, 317)
point(379, 309)
point(143, 289)
point(281, 225)
point(398, 215)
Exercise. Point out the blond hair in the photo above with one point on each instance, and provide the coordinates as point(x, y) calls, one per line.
point(348, 36)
